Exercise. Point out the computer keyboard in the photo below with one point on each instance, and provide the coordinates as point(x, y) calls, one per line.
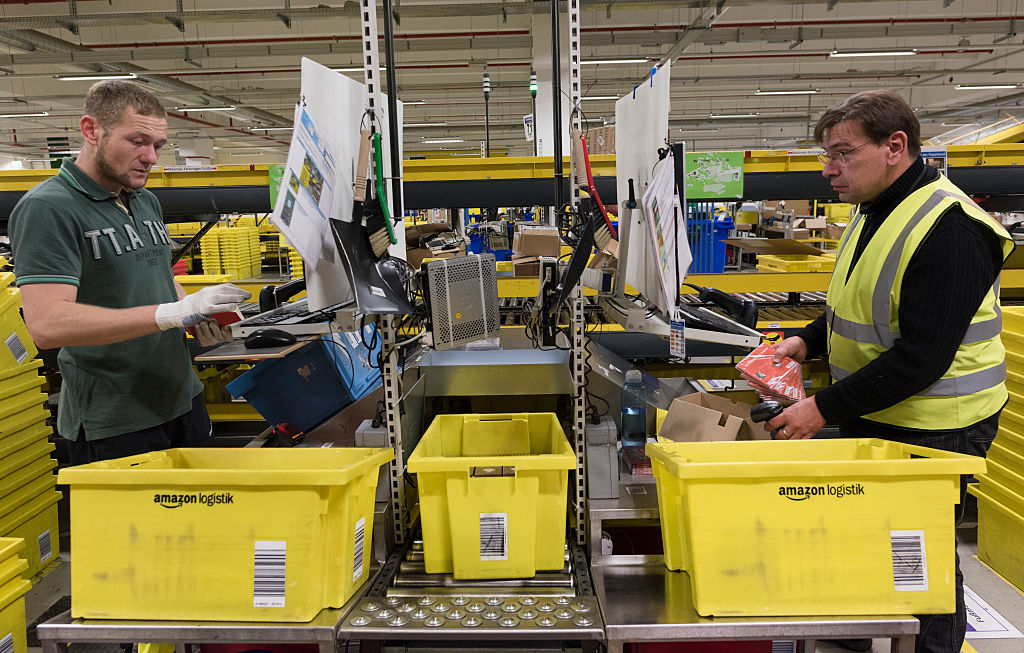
point(698, 317)
point(293, 313)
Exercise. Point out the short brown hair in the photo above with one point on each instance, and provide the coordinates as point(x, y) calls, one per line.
point(880, 114)
point(106, 101)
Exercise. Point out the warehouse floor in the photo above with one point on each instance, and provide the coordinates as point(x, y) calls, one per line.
point(1006, 599)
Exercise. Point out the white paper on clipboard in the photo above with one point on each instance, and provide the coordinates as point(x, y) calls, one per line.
point(307, 187)
point(666, 229)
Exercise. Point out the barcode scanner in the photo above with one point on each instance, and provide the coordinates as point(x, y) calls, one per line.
point(765, 411)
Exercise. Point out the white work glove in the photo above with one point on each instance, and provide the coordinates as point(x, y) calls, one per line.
point(210, 332)
point(195, 307)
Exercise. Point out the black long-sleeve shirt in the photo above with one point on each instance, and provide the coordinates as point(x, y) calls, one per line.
point(943, 286)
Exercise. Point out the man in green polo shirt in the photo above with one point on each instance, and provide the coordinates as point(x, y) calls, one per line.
point(92, 260)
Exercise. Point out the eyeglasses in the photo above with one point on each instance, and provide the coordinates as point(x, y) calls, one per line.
point(840, 155)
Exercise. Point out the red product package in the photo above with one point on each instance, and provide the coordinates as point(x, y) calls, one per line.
point(783, 382)
point(224, 319)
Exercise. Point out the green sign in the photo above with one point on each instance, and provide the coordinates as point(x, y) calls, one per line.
point(276, 175)
point(714, 175)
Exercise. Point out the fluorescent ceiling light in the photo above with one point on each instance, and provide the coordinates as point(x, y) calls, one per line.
point(594, 62)
point(810, 91)
point(24, 115)
point(436, 141)
point(186, 110)
point(65, 152)
point(425, 124)
point(600, 97)
point(94, 77)
point(408, 102)
point(732, 115)
point(699, 131)
point(981, 87)
point(879, 53)
point(274, 129)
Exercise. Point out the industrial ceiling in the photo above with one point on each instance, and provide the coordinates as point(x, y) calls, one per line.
point(750, 74)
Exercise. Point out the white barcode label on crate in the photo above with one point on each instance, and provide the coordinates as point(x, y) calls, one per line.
point(494, 536)
point(7, 643)
point(357, 562)
point(45, 549)
point(784, 646)
point(18, 350)
point(269, 575)
point(909, 561)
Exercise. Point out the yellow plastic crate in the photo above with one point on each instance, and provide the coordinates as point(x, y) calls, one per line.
point(227, 534)
point(12, 616)
point(493, 494)
point(12, 567)
point(811, 527)
point(14, 375)
point(795, 263)
point(36, 523)
point(1000, 532)
point(21, 486)
point(32, 436)
point(16, 345)
point(30, 412)
point(1006, 467)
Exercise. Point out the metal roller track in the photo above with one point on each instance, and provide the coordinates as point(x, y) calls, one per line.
point(405, 603)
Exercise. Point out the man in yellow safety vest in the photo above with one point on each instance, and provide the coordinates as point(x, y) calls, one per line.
point(912, 320)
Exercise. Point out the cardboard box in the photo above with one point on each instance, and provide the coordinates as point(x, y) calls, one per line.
point(526, 266)
point(601, 140)
point(786, 231)
point(417, 255)
point(536, 241)
point(835, 231)
point(703, 417)
point(810, 223)
point(798, 207)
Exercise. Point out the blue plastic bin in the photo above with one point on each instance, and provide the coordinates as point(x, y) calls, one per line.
point(707, 236)
point(312, 383)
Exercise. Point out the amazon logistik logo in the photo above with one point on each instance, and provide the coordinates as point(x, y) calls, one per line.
point(179, 500)
point(804, 492)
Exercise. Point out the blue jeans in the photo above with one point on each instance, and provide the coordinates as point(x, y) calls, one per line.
point(943, 633)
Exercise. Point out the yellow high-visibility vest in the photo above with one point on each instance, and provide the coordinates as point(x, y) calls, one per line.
point(862, 315)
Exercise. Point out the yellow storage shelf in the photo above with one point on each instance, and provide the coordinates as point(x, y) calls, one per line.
point(811, 527)
point(493, 493)
point(259, 534)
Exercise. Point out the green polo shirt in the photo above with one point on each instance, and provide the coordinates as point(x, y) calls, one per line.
point(70, 230)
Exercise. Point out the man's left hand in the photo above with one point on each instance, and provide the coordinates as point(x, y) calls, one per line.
point(209, 332)
point(798, 422)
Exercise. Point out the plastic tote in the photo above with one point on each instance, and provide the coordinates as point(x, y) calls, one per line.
point(493, 491)
point(225, 534)
point(811, 527)
point(313, 383)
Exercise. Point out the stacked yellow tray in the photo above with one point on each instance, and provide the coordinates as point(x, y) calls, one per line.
point(1000, 490)
point(28, 499)
point(12, 596)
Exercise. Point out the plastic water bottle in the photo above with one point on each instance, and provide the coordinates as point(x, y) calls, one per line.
point(633, 426)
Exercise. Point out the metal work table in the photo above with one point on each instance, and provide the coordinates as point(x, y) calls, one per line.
point(58, 633)
point(642, 601)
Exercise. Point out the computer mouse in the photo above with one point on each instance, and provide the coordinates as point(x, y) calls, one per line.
point(266, 338)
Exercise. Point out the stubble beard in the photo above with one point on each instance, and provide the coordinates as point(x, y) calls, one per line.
point(105, 168)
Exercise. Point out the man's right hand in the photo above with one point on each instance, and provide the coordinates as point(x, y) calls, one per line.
point(793, 347)
point(193, 308)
